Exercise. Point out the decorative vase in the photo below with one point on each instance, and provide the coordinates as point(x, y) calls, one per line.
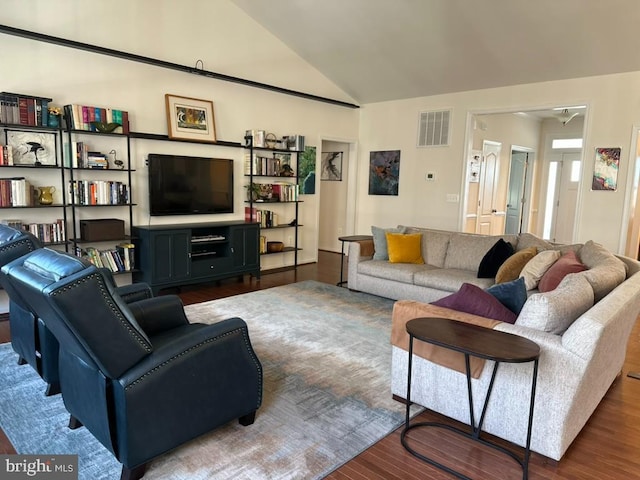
point(45, 195)
point(54, 121)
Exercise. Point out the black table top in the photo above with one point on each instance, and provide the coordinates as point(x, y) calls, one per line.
point(355, 238)
point(474, 340)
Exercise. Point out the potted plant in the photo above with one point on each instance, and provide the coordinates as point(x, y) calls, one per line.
point(253, 191)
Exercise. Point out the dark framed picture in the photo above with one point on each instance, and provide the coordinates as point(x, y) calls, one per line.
point(331, 165)
point(32, 148)
point(384, 172)
point(190, 119)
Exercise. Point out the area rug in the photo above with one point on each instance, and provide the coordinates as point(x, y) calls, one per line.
point(326, 356)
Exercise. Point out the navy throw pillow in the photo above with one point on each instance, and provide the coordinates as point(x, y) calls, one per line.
point(512, 295)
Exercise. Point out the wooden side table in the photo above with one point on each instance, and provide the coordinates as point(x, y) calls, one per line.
point(483, 343)
point(346, 239)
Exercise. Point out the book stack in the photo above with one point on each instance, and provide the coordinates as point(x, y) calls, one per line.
point(15, 192)
point(118, 259)
point(266, 166)
point(285, 192)
point(6, 155)
point(266, 218)
point(98, 192)
point(79, 117)
point(97, 160)
point(19, 109)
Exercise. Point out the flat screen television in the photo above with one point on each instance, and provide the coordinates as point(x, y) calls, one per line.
point(181, 185)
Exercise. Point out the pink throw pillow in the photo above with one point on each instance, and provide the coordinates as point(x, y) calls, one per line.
point(565, 265)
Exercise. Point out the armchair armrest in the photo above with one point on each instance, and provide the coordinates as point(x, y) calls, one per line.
point(159, 314)
point(134, 292)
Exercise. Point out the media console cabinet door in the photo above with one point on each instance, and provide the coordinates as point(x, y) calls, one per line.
point(170, 255)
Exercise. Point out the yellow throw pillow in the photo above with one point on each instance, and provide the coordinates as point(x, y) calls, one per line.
point(404, 248)
point(512, 266)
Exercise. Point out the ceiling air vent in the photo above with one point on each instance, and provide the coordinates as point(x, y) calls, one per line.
point(434, 128)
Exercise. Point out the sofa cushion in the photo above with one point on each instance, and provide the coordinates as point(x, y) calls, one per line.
point(556, 310)
point(538, 266)
point(528, 240)
point(380, 241)
point(434, 245)
point(474, 300)
point(494, 258)
point(566, 264)
point(605, 271)
point(466, 250)
point(449, 279)
point(511, 268)
point(512, 295)
point(399, 272)
point(404, 247)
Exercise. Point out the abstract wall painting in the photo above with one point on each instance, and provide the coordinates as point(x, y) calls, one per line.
point(605, 169)
point(331, 165)
point(384, 172)
point(307, 171)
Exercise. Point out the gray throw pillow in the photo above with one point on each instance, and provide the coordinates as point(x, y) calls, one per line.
point(380, 241)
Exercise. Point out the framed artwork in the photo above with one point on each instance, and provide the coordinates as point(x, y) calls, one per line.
point(190, 119)
point(384, 172)
point(307, 171)
point(605, 169)
point(32, 148)
point(331, 165)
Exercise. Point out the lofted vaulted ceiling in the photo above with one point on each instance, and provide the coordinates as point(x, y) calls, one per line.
point(379, 50)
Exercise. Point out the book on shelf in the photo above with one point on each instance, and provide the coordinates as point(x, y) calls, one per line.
point(15, 192)
point(6, 155)
point(46, 232)
point(21, 109)
point(117, 259)
point(98, 192)
point(79, 117)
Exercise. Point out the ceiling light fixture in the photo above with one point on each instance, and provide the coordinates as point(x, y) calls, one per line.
point(566, 116)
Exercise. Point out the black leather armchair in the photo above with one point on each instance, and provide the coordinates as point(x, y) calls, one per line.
point(138, 376)
point(30, 339)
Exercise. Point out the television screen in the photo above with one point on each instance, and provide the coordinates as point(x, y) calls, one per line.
point(181, 185)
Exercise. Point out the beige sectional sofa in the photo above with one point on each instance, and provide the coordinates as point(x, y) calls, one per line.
point(582, 328)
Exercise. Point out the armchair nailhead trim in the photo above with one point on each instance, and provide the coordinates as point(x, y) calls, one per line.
point(24, 241)
point(245, 337)
point(116, 311)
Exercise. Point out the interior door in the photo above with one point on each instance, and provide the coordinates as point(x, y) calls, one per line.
point(565, 186)
point(489, 174)
point(515, 192)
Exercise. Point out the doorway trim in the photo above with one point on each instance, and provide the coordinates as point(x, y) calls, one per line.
point(528, 180)
point(627, 227)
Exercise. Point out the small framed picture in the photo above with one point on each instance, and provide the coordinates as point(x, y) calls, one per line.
point(190, 119)
point(605, 169)
point(331, 166)
point(32, 148)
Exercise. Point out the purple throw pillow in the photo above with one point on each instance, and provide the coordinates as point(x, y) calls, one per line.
point(474, 300)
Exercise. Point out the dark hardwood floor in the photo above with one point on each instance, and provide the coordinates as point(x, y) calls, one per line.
point(607, 448)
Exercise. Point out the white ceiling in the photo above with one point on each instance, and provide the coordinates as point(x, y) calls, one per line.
point(378, 50)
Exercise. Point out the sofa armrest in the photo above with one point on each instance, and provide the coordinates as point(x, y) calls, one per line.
point(358, 252)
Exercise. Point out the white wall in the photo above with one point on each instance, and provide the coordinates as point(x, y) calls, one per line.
point(613, 102)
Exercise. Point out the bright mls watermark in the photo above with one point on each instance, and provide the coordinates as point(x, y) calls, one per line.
point(45, 467)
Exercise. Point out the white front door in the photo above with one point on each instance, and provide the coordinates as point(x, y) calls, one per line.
point(562, 196)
